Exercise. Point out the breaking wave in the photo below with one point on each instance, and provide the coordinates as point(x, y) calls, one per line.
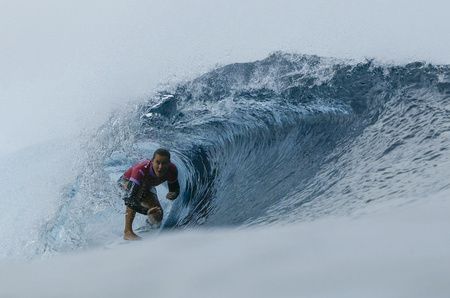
point(285, 139)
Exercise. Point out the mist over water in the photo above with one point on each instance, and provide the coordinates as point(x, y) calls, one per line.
point(311, 137)
point(66, 70)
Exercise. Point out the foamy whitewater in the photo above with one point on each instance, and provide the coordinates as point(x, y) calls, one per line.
point(305, 171)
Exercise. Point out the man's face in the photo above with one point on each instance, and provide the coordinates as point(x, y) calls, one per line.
point(160, 165)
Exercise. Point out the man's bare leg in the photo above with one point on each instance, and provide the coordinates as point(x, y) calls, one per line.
point(128, 233)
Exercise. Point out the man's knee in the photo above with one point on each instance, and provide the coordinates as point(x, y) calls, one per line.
point(155, 215)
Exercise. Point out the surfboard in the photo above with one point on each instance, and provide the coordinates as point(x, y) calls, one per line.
point(143, 231)
point(147, 228)
point(117, 243)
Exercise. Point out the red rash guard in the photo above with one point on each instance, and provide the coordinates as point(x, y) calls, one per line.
point(142, 174)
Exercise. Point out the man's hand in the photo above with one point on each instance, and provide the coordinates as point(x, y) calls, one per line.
point(172, 195)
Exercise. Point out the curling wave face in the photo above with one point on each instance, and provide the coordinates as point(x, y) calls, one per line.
point(297, 137)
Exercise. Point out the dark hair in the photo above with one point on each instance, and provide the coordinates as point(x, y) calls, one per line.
point(161, 152)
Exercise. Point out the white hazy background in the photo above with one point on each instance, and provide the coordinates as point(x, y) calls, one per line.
point(64, 65)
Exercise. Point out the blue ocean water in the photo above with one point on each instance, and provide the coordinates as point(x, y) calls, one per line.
point(295, 137)
point(286, 139)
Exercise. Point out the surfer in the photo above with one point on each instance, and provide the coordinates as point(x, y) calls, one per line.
point(140, 195)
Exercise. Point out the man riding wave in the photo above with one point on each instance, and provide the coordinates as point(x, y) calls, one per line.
point(140, 194)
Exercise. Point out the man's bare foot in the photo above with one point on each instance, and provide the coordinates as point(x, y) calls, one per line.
point(130, 235)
